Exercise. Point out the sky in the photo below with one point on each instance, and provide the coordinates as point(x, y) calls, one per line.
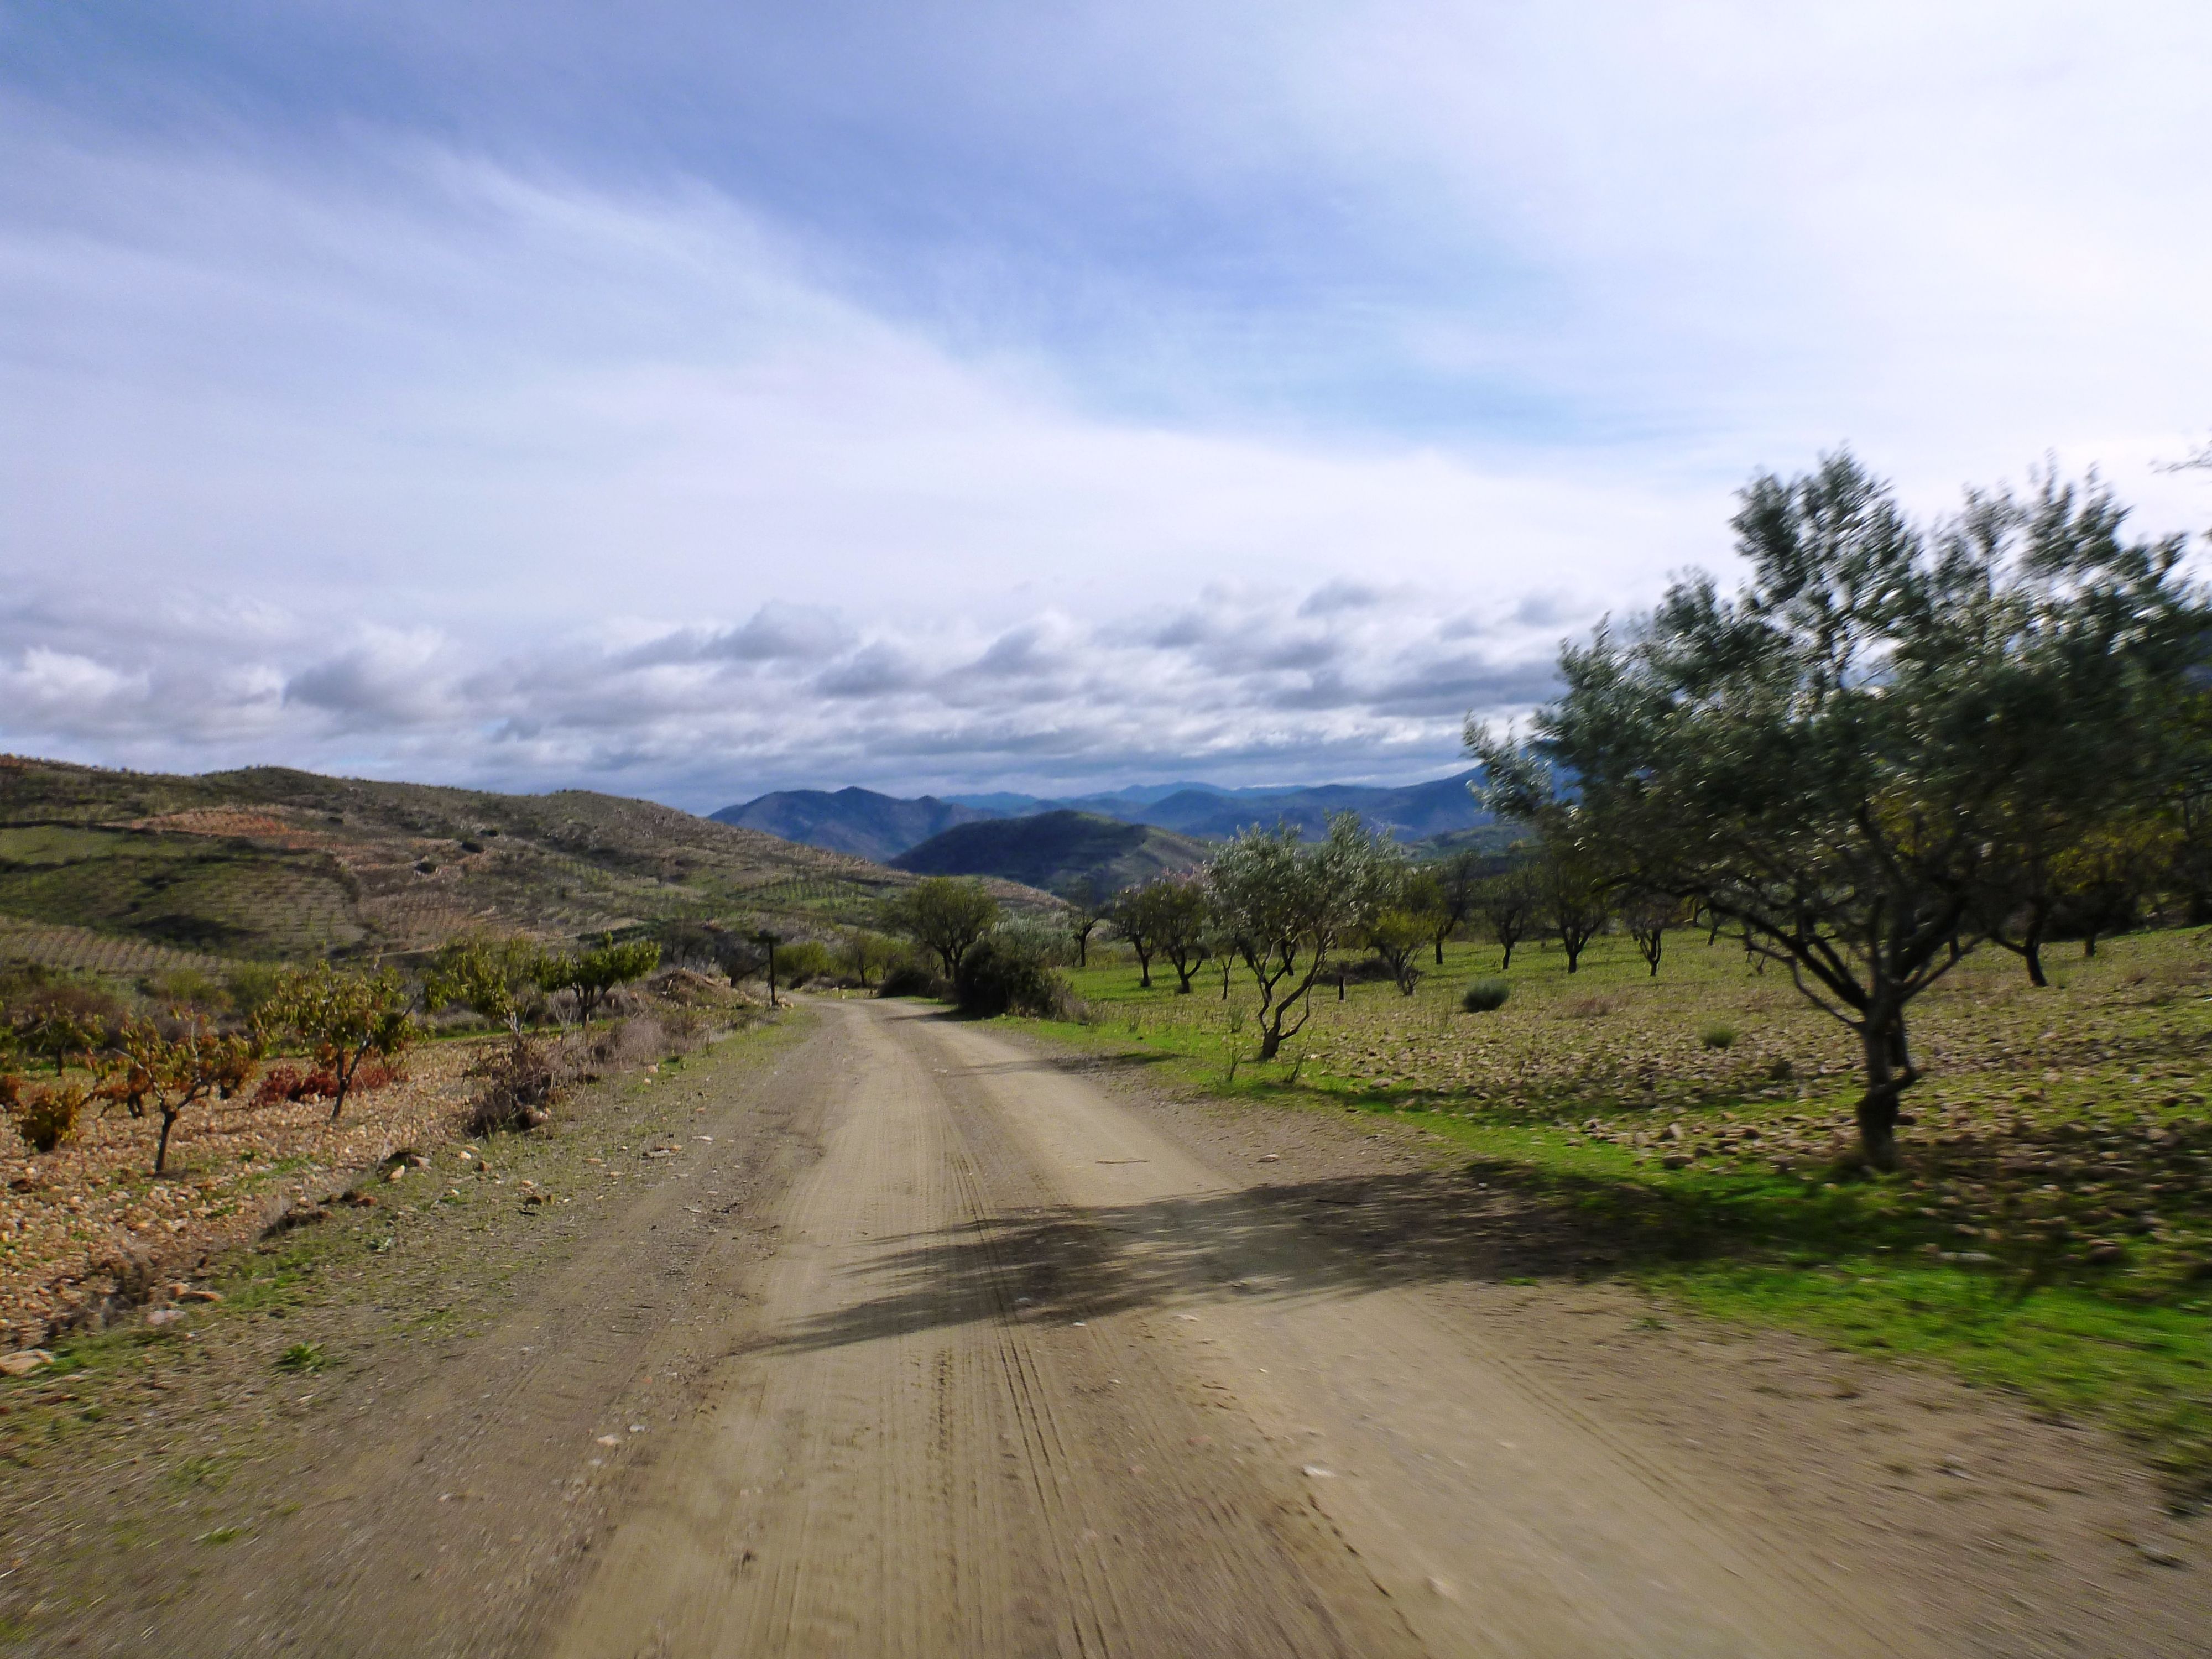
point(690, 399)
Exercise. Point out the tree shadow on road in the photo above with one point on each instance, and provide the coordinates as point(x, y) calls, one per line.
point(1339, 1236)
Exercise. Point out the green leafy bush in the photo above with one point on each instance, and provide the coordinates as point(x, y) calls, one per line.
point(912, 979)
point(1006, 974)
point(803, 960)
point(1487, 996)
point(1718, 1034)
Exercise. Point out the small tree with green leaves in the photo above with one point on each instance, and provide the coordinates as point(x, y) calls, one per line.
point(1648, 916)
point(58, 1020)
point(1576, 896)
point(1290, 905)
point(944, 915)
point(1087, 909)
point(1133, 919)
point(592, 977)
point(1399, 936)
point(867, 956)
point(498, 980)
point(1451, 889)
point(344, 1018)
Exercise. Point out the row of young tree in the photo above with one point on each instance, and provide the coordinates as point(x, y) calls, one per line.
point(160, 1065)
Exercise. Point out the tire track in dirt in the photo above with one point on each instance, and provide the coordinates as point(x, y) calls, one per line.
point(946, 1473)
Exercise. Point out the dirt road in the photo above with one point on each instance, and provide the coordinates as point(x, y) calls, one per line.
point(1032, 1379)
point(910, 1338)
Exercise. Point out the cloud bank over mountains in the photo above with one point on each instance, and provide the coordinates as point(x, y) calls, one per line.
point(710, 399)
point(1239, 685)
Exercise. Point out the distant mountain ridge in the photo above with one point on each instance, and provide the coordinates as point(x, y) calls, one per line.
point(1057, 851)
point(860, 822)
point(883, 828)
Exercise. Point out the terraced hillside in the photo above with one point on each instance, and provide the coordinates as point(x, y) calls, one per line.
point(269, 863)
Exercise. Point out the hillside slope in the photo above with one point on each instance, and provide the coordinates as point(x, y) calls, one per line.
point(269, 863)
point(1054, 851)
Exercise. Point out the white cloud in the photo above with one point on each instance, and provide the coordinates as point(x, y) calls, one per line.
point(1458, 328)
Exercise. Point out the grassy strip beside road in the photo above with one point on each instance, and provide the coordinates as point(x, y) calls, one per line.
point(2050, 1232)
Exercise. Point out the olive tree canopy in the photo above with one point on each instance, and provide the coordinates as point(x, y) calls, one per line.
point(1288, 906)
point(945, 915)
point(1845, 759)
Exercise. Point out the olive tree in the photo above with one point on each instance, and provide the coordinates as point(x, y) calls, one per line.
point(1452, 892)
point(1510, 901)
point(1842, 760)
point(1171, 916)
point(1290, 905)
point(944, 915)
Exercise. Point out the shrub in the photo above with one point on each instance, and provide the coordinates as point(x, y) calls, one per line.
point(377, 1074)
point(281, 1084)
point(44, 1117)
point(1717, 1033)
point(252, 986)
point(1487, 996)
point(303, 1358)
point(802, 960)
point(911, 978)
point(1004, 974)
point(517, 1093)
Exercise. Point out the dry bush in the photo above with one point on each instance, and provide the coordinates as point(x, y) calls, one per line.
point(1592, 1008)
point(281, 1084)
point(683, 1028)
point(640, 1040)
point(43, 1117)
point(518, 1084)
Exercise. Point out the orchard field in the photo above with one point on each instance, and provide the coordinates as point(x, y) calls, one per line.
point(2051, 1230)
